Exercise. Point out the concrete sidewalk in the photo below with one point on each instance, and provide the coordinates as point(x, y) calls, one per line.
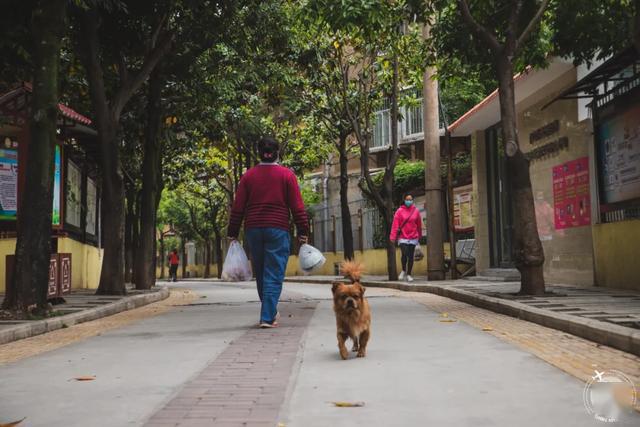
point(606, 316)
point(80, 306)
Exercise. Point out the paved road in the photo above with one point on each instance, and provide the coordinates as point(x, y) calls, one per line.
point(206, 364)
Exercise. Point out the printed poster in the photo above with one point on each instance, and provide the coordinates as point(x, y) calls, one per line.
point(571, 196)
point(92, 206)
point(8, 184)
point(57, 176)
point(73, 206)
point(620, 156)
point(462, 208)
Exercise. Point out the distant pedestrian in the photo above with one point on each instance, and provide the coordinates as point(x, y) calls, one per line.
point(174, 262)
point(266, 195)
point(407, 231)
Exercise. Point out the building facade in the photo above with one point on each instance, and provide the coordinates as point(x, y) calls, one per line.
point(583, 167)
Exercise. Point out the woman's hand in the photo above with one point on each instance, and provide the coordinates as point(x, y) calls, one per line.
point(303, 239)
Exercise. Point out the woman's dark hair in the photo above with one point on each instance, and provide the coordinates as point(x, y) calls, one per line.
point(268, 149)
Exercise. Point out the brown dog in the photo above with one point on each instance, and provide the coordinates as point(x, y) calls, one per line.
point(353, 318)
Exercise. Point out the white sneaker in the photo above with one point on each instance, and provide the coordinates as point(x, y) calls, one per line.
point(401, 276)
point(409, 279)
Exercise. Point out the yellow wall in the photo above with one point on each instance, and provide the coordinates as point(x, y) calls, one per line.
point(615, 246)
point(86, 262)
point(195, 270)
point(7, 247)
point(374, 260)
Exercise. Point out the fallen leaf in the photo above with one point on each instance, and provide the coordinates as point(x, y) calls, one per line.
point(12, 424)
point(487, 328)
point(85, 378)
point(348, 404)
point(448, 320)
point(445, 314)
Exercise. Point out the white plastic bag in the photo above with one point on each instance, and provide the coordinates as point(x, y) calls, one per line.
point(310, 259)
point(236, 267)
point(418, 254)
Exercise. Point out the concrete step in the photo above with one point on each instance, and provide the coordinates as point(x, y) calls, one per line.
point(497, 275)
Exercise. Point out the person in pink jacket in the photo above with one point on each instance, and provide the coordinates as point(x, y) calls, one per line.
point(406, 230)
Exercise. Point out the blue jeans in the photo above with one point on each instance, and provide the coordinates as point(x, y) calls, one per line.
point(269, 255)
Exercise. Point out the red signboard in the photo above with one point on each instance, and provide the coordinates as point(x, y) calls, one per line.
point(571, 197)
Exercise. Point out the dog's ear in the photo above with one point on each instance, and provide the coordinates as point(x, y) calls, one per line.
point(362, 289)
point(335, 287)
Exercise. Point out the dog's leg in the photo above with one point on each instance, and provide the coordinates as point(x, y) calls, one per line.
point(355, 343)
point(364, 338)
point(343, 349)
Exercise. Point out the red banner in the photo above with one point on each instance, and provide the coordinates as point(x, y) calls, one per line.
point(571, 197)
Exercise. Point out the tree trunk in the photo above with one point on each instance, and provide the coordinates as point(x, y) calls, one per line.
point(183, 249)
point(433, 182)
point(129, 239)
point(219, 260)
point(636, 28)
point(33, 248)
point(347, 230)
point(151, 176)
point(107, 118)
point(528, 253)
point(112, 274)
point(162, 258)
point(207, 258)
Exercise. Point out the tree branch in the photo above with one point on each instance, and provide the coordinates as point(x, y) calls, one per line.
point(126, 91)
point(532, 24)
point(514, 18)
point(90, 59)
point(483, 32)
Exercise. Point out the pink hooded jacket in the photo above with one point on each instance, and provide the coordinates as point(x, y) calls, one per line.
point(412, 228)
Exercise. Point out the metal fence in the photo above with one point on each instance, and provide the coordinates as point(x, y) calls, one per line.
point(367, 230)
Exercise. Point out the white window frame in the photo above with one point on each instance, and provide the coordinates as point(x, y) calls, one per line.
point(381, 120)
point(412, 116)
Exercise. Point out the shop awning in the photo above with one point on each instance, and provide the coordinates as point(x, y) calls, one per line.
point(27, 88)
point(606, 76)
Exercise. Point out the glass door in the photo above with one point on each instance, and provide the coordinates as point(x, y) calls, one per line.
point(500, 206)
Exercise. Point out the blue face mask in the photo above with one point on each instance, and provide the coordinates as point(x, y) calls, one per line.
point(408, 203)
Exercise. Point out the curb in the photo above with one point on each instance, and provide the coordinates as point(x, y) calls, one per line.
point(619, 337)
point(38, 327)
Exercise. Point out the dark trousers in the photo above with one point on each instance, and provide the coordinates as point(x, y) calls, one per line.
point(173, 272)
point(407, 251)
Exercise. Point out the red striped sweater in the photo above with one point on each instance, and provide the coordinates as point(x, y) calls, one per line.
point(266, 193)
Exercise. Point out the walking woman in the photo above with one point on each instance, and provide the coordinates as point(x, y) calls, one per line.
point(406, 231)
point(266, 194)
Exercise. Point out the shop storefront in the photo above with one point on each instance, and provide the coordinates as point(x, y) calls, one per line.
point(557, 140)
point(613, 93)
point(76, 201)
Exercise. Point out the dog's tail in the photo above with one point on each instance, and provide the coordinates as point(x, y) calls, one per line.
point(353, 270)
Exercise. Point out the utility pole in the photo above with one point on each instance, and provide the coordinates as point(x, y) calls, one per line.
point(433, 183)
point(450, 201)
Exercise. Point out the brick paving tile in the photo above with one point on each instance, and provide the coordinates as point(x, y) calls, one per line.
point(246, 384)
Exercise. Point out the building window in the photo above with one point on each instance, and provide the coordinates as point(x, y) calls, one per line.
point(413, 121)
point(381, 129)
